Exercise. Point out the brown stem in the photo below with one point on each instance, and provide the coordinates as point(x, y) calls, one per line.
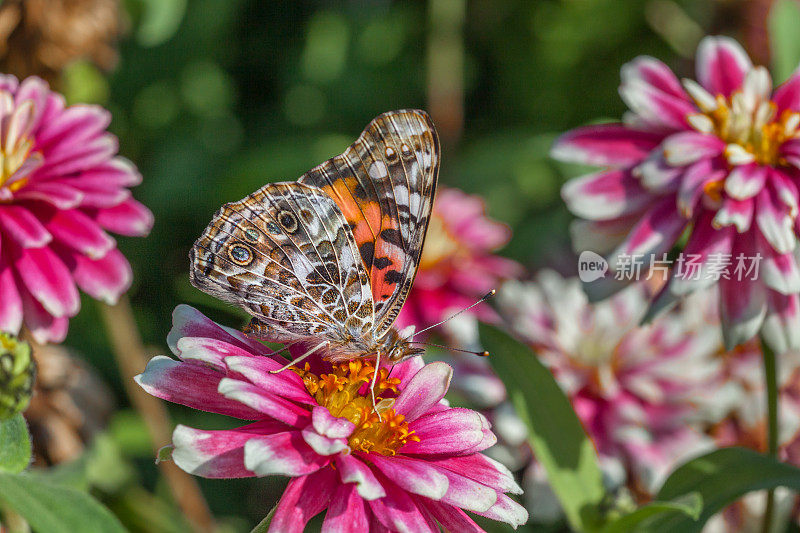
point(446, 67)
point(131, 358)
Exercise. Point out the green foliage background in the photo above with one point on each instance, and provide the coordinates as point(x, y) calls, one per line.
point(214, 98)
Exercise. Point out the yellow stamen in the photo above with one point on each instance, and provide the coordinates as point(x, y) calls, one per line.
point(345, 393)
point(757, 130)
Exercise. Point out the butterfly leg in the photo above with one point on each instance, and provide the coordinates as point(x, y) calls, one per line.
point(374, 382)
point(298, 359)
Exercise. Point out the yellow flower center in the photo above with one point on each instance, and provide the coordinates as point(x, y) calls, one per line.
point(15, 144)
point(439, 244)
point(747, 122)
point(382, 432)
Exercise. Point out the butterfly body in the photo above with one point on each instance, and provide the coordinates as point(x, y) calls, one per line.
point(330, 258)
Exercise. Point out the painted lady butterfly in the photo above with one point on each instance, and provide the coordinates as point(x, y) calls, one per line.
point(328, 260)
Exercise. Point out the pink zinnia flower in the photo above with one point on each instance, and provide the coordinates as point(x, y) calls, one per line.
point(413, 467)
point(720, 157)
point(458, 265)
point(61, 188)
point(633, 388)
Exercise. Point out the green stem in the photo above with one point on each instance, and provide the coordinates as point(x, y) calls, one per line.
point(771, 380)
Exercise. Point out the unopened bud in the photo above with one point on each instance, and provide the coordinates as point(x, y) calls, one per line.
point(17, 372)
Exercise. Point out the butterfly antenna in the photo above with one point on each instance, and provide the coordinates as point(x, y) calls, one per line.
point(483, 299)
point(483, 353)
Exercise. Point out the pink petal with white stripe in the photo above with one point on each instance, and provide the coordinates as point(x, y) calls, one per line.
point(326, 424)
point(775, 222)
point(412, 475)
point(48, 280)
point(790, 151)
point(654, 106)
point(785, 190)
point(44, 327)
point(604, 195)
point(62, 160)
point(303, 498)
point(656, 232)
point(257, 371)
point(217, 454)
point(189, 322)
point(270, 405)
point(508, 511)
point(612, 145)
point(482, 469)
point(74, 125)
point(451, 431)
point(452, 518)
point(656, 175)
point(656, 74)
point(399, 513)
point(285, 454)
point(11, 303)
point(779, 271)
point(105, 279)
point(466, 493)
point(79, 232)
point(781, 329)
point(191, 384)
point(353, 470)
point(425, 389)
point(347, 512)
point(721, 65)
point(128, 218)
point(693, 184)
point(787, 94)
point(117, 172)
point(745, 181)
point(21, 225)
point(707, 254)
point(690, 146)
point(742, 299)
point(738, 213)
point(57, 194)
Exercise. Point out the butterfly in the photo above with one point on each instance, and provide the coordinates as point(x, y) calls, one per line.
point(329, 260)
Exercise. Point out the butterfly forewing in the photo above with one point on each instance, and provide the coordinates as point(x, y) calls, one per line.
point(332, 256)
point(287, 256)
point(384, 184)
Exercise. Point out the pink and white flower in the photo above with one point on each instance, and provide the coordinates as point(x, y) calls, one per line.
point(458, 265)
point(721, 157)
point(62, 188)
point(412, 468)
point(634, 388)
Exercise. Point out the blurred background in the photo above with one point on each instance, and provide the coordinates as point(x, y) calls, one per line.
point(214, 98)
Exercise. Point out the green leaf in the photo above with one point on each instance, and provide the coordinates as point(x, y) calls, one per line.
point(263, 526)
point(54, 509)
point(689, 505)
point(720, 478)
point(555, 433)
point(15, 444)
point(784, 19)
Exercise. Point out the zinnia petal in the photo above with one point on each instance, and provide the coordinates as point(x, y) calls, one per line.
point(612, 145)
point(721, 65)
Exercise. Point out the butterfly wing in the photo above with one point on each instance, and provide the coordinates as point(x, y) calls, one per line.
point(286, 255)
point(384, 184)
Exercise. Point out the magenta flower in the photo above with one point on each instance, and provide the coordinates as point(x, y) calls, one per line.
point(458, 265)
point(62, 187)
point(633, 388)
point(720, 157)
point(413, 467)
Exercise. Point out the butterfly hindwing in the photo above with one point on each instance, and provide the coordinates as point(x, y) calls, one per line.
point(287, 255)
point(384, 184)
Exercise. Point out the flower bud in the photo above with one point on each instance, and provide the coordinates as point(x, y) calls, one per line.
point(17, 372)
